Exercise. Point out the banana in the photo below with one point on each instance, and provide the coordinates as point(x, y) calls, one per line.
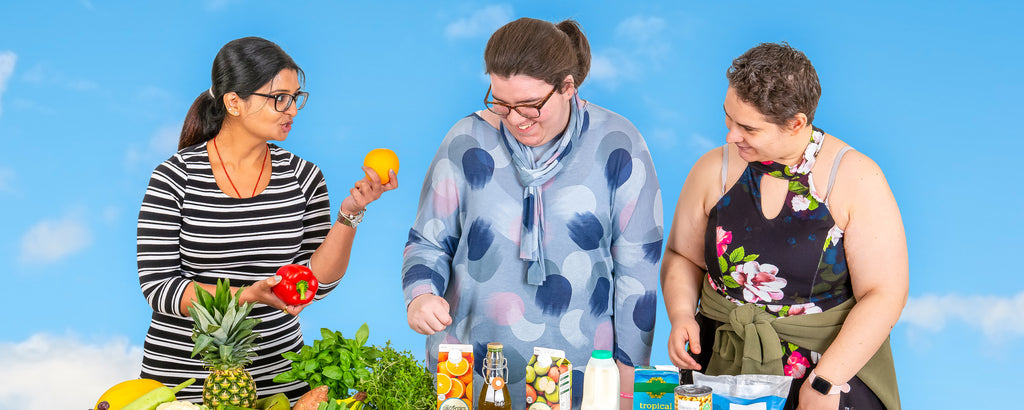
point(155, 397)
point(356, 402)
point(278, 401)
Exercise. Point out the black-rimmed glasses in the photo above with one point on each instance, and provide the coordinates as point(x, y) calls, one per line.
point(282, 102)
point(525, 110)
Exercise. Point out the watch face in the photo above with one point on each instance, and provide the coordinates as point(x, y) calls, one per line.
point(821, 385)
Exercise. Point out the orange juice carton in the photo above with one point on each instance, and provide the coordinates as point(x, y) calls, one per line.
point(548, 380)
point(455, 377)
point(653, 387)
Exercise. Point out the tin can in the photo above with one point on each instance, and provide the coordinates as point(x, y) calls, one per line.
point(693, 397)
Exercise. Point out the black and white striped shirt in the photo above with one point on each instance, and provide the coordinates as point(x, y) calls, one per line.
point(190, 230)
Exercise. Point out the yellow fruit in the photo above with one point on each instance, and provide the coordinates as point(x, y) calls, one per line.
point(127, 391)
point(381, 160)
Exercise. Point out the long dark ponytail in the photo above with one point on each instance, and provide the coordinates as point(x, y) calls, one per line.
point(242, 66)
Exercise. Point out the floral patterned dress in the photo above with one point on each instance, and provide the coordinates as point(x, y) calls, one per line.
point(792, 264)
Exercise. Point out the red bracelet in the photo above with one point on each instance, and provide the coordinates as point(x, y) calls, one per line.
point(626, 395)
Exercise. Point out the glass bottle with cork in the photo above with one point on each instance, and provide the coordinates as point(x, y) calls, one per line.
point(494, 393)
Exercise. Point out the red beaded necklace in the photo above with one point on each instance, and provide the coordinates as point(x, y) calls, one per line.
point(265, 154)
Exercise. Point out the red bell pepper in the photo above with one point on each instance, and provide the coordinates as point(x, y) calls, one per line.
point(297, 285)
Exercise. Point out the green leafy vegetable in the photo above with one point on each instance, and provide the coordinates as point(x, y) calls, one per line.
point(398, 381)
point(334, 361)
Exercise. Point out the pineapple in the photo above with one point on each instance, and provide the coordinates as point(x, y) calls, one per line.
point(224, 341)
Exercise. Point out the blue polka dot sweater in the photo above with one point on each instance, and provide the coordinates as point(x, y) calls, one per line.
point(603, 231)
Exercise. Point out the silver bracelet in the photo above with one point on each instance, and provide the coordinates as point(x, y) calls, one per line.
point(350, 220)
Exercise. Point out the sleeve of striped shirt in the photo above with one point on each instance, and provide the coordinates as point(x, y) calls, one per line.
point(317, 219)
point(157, 247)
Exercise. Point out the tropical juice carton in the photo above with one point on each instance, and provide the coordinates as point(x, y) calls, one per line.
point(455, 377)
point(548, 380)
point(653, 387)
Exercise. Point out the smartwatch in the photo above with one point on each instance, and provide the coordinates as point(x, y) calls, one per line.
point(820, 385)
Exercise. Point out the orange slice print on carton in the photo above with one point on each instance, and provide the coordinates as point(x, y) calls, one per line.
point(457, 389)
point(457, 369)
point(444, 383)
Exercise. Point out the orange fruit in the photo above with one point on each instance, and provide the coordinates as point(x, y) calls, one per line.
point(442, 357)
point(467, 379)
point(381, 160)
point(457, 389)
point(444, 383)
point(457, 369)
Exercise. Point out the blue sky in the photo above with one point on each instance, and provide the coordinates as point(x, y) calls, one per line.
point(93, 93)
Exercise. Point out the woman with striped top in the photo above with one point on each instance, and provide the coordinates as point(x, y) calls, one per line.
point(231, 204)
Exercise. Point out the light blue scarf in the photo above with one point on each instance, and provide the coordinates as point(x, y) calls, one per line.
point(532, 174)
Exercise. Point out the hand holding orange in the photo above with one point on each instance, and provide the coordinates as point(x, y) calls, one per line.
point(381, 160)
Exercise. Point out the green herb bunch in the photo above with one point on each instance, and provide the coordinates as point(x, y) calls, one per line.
point(398, 381)
point(335, 361)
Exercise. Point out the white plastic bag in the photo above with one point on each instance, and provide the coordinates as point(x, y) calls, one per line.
point(746, 391)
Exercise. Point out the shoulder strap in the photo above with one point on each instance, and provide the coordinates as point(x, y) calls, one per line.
point(725, 165)
point(835, 169)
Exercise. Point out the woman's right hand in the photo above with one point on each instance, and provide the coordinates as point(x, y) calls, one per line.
point(428, 314)
point(683, 331)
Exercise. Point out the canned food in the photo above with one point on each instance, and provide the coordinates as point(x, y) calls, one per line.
point(693, 397)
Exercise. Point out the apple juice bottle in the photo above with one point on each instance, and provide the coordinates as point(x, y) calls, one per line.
point(494, 393)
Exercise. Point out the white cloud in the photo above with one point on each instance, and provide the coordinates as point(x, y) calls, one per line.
point(160, 146)
point(31, 370)
point(52, 240)
point(482, 23)
point(998, 318)
point(646, 34)
point(7, 60)
point(639, 46)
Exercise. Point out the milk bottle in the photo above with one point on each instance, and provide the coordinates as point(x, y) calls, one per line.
point(601, 382)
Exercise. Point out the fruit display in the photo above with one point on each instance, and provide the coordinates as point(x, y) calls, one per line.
point(224, 340)
point(382, 160)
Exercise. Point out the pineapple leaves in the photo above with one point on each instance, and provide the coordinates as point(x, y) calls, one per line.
point(222, 331)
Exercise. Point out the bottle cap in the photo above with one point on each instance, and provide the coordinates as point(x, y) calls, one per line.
point(494, 347)
point(601, 354)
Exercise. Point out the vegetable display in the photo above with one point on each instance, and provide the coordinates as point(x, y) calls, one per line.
point(297, 285)
point(389, 378)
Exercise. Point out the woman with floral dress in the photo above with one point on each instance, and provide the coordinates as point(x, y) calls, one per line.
point(793, 245)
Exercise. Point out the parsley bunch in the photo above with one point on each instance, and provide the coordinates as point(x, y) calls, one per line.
point(398, 381)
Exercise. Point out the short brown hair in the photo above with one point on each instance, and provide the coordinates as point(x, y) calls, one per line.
point(539, 49)
point(778, 80)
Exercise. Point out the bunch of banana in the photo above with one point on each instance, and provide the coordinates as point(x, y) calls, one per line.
point(356, 402)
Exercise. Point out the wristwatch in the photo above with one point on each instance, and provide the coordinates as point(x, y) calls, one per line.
point(350, 220)
point(820, 385)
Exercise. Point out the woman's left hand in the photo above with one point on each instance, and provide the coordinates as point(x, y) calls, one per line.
point(810, 399)
point(262, 292)
point(367, 190)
